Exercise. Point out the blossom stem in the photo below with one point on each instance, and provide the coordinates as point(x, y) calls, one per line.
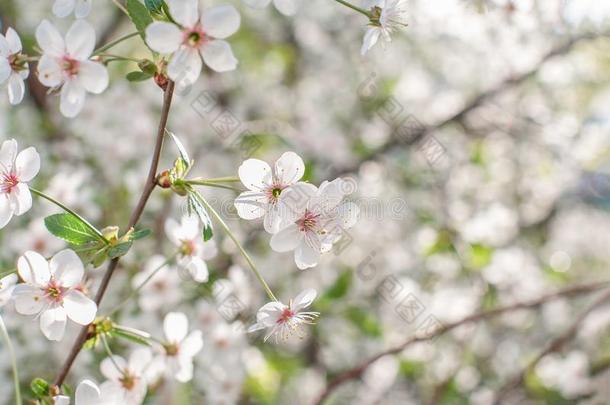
point(220, 180)
point(210, 184)
point(7, 273)
point(110, 354)
point(136, 290)
point(9, 347)
point(119, 58)
point(121, 7)
point(69, 211)
point(113, 43)
point(240, 247)
point(353, 7)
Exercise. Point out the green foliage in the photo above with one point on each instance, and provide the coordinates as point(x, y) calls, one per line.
point(154, 6)
point(71, 229)
point(196, 206)
point(138, 76)
point(365, 321)
point(39, 387)
point(139, 15)
point(119, 250)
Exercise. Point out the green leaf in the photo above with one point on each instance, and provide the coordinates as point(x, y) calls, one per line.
point(138, 76)
point(119, 250)
point(140, 234)
point(147, 66)
point(181, 149)
point(154, 5)
point(195, 206)
point(139, 15)
point(70, 228)
point(39, 387)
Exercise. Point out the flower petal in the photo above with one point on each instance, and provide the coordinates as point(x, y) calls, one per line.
point(255, 174)
point(139, 359)
point(370, 39)
point(80, 40)
point(192, 344)
point(50, 40)
point(257, 3)
point(28, 299)
point(6, 211)
point(185, 66)
point(87, 393)
point(175, 326)
point(14, 42)
point(296, 199)
point(289, 168)
point(273, 219)
point(286, 7)
point(8, 154)
point(306, 255)
point(63, 8)
point(108, 367)
point(5, 69)
point(217, 54)
point(21, 199)
point(220, 21)
point(198, 269)
point(16, 89)
point(5, 49)
point(93, 76)
point(286, 239)
point(269, 313)
point(49, 71)
point(304, 299)
point(185, 12)
point(53, 323)
point(67, 268)
point(250, 204)
point(33, 268)
point(82, 9)
point(72, 98)
point(27, 164)
point(80, 308)
point(163, 37)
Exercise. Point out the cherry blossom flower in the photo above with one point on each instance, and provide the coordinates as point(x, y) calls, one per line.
point(12, 65)
point(16, 169)
point(67, 63)
point(265, 188)
point(63, 8)
point(52, 291)
point(179, 348)
point(186, 235)
point(88, 393)
point(127, 380)
point(283, 320)
point(314, 220)
point(386, 17)
point(197, 36)
point(286, 7)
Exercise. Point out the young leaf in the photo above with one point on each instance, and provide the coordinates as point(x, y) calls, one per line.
point(194, 205)
point(154, 6)
point(139, 15)
point(70, 228)
point(130, 336)
point(183, 153)
point(39, 387)
point(140, 234)
point(137, 76)
point(119, 250)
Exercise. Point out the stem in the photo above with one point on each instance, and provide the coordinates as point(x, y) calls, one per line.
point(119, 58)
point(135, 291)
point(353, 7)
point(7, 273)
point(113, 43)
point(135, 216)
point(69, 211)
point(121, 7)
point(9, 347)
point(110, 354)
point(240, 247)
point(219, 180)
point(211, 184)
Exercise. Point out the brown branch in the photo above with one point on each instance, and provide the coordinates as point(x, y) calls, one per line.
point(357, 371)
point(135, 216)
point(554, 346)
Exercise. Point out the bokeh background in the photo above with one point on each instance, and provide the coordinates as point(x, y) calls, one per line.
point(478, 144)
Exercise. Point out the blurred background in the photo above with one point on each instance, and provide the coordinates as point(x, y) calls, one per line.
point(478, 142)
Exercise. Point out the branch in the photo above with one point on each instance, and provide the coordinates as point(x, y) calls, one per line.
point(135, 216)
point(357, 371)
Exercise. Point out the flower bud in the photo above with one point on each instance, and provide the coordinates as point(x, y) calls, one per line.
point(164, 179)
point(161, 80)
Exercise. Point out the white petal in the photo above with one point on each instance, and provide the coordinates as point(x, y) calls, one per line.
point(330, 195)
point(163, 37)
point(27, 164)
point(139, 359)
point(87, 393)
point(93, 76)
point(296, 199)
point(217, 54)
point(198, 269)
point(192, 344)
point(306, 256)
point(185, 66)
point(5, 69)
point(173, 230)
point(185, 370)
point(289, 168)
point(273, 219)
point(61, 400)
point(80, 40)
point(370, 39)
point(72, 98)
point(80, 308)
point(347, 214)
point(49, 71)
point(250, 204)
point(109, 369)
point(175, 326)
point(220, 21)
point(304, 299)
point(16, 89)
point(53, 323)
point(286, 7)
point(14, 42)
point(257, 3)
point(286, 239)
point(6, 211)
point(269, 313)
point(8, 154)
point(255, 174)
point(28, 299)
point(83, 8)
point(33, 268)
point(5, 49)
point(21, 199)
point(49, 39)
point(185, 12)
point(63, 8)
point(67, 268)
point(189, 225)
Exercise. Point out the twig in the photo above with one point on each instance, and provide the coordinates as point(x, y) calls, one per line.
point(358, 370)
point(135, 216)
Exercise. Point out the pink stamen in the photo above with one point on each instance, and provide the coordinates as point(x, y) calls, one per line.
point(54, 291)
point(308, 221)
point(194, 37)
point(70, 66)
point(286, 315)
point(8, 182)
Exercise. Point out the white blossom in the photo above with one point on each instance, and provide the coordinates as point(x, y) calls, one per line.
point(12, 67)
point(387, 17)
point(67, 63)
point(88, 393)
point(63, 8)
point(127, 380)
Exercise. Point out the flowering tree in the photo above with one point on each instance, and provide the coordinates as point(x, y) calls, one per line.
point(237, 269)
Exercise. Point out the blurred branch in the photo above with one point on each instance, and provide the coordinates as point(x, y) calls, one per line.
point(357, 371)
point(556, 345)
point(507, 84)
